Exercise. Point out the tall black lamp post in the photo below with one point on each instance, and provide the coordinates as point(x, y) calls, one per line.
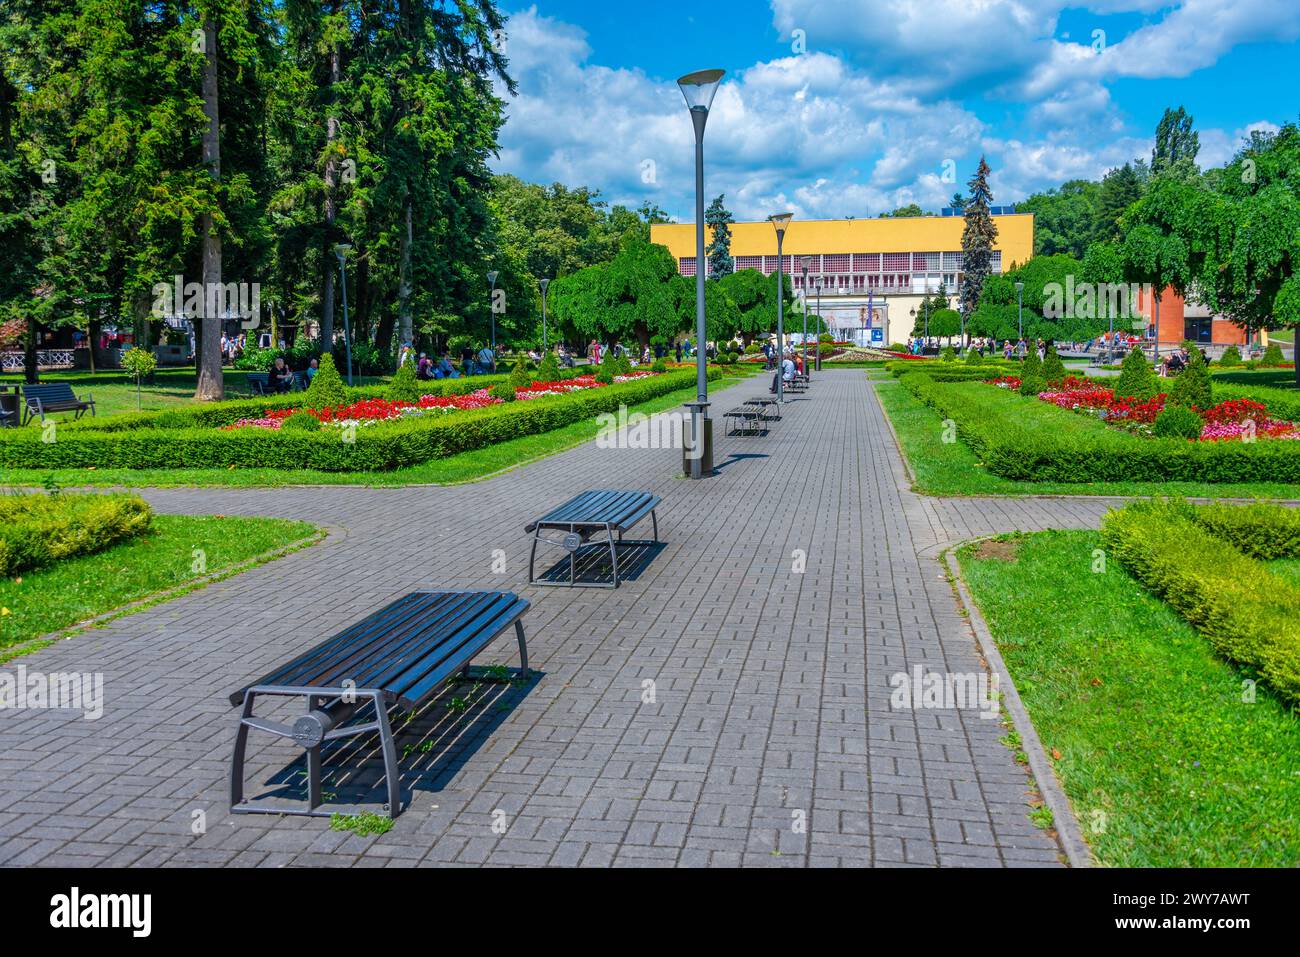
point(544, 283)
point(698, 90)
point(781, 221)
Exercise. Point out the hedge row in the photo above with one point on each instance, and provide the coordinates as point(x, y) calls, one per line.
point(217, 414)
point(1249, 614)
point(39, 530)
point(1028, 440)
point(380, 447)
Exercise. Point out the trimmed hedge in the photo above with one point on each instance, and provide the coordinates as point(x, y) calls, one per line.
point(1028, 440)
point(380, 447)
point(1248, 613)
point(39, 530)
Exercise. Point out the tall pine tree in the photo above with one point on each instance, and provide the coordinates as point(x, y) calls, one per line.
point(977, 239)
point(718, 219)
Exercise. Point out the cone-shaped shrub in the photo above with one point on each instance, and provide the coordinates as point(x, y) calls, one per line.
point(549, 369)
point(327, 388)
point(1136, 378)
point(405, 387)
point(1053, 367)
point(1192, 387)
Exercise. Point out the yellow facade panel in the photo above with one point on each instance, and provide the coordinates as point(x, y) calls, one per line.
point(913, 234)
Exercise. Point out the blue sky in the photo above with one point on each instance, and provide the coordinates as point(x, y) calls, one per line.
point(853, 107)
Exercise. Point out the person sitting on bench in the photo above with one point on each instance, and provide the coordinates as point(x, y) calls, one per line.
point(786, 373)
point(444, 369)
point(281, 378)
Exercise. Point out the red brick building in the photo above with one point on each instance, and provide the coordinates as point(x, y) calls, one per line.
point(1180, 320)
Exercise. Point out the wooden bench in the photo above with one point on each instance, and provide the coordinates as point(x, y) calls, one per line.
point(587, 515)
point(399, 655)
point(54, 397)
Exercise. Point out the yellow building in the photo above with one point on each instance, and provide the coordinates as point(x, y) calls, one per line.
point(866, 272)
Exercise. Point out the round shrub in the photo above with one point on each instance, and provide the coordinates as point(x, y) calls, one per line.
point(503, 391)
point(301, 422)
point(1178, 422)
point(659, 366)
point(605, 377)
point(1033, 384)
point(1231, 357)
point(948, 355)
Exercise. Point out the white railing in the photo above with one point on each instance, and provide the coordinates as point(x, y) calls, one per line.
point(45, 359)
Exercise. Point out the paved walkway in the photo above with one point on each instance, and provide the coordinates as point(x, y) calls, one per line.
point(721, 709)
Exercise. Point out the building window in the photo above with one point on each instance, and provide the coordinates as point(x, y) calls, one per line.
point(749, 262)
point(837, 263)
point(891, 262)
point(686, 266)
point(996, 265)
point(952, 261)
point(866, 262)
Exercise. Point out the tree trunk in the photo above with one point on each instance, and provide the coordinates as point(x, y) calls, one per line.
point(405, 327)
point(331, 206)
point(211, 384)
point(31, 374)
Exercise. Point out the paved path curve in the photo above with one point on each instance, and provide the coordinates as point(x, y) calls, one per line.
point(721, 709)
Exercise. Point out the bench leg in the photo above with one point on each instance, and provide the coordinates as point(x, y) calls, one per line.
point(390, 757)
point(523, 648)
point(241, 746)
point(655, 523)
point(532, 555)
point(613, 552)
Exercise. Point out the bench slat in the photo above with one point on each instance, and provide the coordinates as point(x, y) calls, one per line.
point(620, 509)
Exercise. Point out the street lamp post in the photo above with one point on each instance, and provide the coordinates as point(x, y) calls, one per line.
point(781, 221)
point(544, 283)
point(1020, 318)
point(819, 323)
point(698, 90)
point(341, 250)
point(805, 318)
point(492, 312)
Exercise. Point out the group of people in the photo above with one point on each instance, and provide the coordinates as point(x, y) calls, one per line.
point(482, 361)
point(791, 366)
point(1176, 362)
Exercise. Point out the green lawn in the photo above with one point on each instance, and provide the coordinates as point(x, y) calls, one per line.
point(1164, 763)
point(466, 467)
point(175, 552)
point(953, 469)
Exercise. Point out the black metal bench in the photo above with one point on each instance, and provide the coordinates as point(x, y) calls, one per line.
point(745, 420)
point(401, 654)
point(768, 407)
point(259, 383)
point(589, 514)
point(54, 397)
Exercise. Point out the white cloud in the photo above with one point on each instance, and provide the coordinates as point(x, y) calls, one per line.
point(881, 124)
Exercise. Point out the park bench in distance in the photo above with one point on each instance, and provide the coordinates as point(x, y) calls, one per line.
point(401, 654)
point(747, 419)
point(54, 397)
point(259, 383)
point(589, 514)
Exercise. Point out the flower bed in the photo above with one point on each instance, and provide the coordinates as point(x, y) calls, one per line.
point(373, 410)
point(1234, 419)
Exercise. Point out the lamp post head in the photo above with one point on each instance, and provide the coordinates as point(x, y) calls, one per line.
point(1020, 287)
point(492, 277)
point(341, 250)
point(698, 89)
point(781, 221)
point(543, 283)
